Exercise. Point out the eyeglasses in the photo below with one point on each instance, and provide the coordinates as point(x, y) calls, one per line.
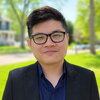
point(41, 38)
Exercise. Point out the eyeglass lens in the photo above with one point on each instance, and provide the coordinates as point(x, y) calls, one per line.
point(41, 38)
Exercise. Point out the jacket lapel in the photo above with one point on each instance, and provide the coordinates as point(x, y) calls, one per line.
point(31, 83)
point(31, 86)
point(72, 83)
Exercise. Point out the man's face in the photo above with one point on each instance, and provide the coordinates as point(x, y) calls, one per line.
point(50, 52)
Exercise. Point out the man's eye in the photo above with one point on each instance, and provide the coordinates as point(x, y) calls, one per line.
point(39, 37)
point(57, 35)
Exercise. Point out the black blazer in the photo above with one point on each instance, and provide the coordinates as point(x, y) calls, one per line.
point(22, 84)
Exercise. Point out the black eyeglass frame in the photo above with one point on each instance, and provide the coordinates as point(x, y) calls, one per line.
point(48, 35)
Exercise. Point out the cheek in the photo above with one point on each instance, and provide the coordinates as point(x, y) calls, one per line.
point(63, 47)
point(36, 49)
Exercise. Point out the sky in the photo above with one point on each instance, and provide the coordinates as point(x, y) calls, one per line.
point(68, 9)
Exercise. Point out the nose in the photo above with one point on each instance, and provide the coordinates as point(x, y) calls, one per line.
point(49, 43)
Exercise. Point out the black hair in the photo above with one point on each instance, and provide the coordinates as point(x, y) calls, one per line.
point(43, 14)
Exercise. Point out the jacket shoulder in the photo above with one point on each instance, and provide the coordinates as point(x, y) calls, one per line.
point(81, 70)
point(19, 72)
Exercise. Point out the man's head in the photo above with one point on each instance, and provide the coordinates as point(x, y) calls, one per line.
point(43, 14)
point(48, 37)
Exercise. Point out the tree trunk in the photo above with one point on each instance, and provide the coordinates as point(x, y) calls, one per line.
point(22, 36)
point(92, 28)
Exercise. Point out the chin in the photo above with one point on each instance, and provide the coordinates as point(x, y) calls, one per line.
point(52, 61)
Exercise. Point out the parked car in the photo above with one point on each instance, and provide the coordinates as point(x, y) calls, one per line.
point(81, 46)
point(85, 46)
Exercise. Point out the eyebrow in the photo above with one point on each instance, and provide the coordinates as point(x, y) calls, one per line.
point(58, 30)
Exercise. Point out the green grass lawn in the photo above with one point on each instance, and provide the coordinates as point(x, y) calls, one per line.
point(13, 49)
point(91, 62)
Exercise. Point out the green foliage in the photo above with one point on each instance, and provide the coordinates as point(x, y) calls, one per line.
point(0, 5)
point(70, 31)
point(82, 17)
point(97, 19)
point(1, 2)
point(82, 22)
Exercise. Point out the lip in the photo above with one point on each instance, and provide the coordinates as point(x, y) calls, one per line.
point(50, 51)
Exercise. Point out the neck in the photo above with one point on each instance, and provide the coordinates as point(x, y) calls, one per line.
point(53, 72)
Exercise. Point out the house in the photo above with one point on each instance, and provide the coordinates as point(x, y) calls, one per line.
point(6, 34)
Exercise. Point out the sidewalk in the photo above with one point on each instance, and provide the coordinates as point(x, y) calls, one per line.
point(14, 58)
point(19, 57)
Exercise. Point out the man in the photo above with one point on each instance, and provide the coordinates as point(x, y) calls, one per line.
point(51, 77)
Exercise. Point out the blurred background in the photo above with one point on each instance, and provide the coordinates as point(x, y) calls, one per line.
point(82, 17)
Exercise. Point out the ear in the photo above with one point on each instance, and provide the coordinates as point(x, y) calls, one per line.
point(29, 43)
point(67, 36)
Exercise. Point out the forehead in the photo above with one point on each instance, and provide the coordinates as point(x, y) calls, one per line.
point(47, 27)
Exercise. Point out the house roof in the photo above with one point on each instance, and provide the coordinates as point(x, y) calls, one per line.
point(3, 18)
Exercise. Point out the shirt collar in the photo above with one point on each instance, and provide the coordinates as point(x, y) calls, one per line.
point(41, 71)
point(64, 67)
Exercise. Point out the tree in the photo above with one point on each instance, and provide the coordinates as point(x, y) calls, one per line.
point(92, 28)
point(20, 10)
point(83, 20)
point(70, 31)
point(0, 6)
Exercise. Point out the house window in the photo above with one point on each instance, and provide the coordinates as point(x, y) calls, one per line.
point(0, 25)
point(4, 25)
point(7, 26)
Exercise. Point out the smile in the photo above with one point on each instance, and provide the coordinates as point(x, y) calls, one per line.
point(50, 51)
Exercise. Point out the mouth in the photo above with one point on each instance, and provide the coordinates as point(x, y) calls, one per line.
point(50, 51)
